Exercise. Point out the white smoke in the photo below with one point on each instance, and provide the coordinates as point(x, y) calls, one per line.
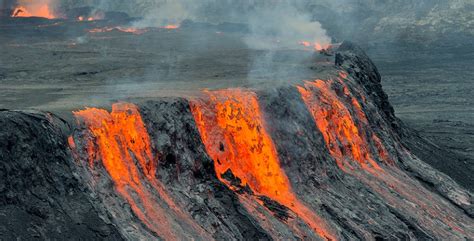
point(272, 24)
point(283, 26)
point(166, 13)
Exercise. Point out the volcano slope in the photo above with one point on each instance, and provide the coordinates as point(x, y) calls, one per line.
point(322, 159)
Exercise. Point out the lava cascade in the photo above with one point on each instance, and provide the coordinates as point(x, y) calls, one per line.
point(34, 9)
point(118, 139)
point(233, 131)
point(348, 137)
point(344, 137)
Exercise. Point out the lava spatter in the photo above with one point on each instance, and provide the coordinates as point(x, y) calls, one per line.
point(234, 133)
point(344, 139)
point(119, 140)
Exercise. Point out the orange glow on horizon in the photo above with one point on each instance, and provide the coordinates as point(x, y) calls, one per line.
point(82, 18)
point(34, 10)
point(234, 133)
point(171, 26)
point(316, 45)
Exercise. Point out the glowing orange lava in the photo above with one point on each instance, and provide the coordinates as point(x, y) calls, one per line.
point(233, 131)
point(71, 143)
point(34, 9)
point(348, 136)
point(343, 75)
point(82, 18)
point(95, 16)
point(171, 26)
point(316, 46)
point(118, 139)
point(344, 139)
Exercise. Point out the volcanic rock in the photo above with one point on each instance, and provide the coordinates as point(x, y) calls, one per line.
point(347, 168)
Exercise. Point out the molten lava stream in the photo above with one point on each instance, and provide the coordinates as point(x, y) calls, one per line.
point(117, 139)
point(344, 139)
point(336, 117)
point(233, 131)
point(360, 115)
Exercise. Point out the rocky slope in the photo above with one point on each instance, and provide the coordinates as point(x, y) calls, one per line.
point(322, 159)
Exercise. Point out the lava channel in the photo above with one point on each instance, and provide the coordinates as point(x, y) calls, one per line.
point(344, 139)
point(233, 131)
point(118, 139)
point(348, 137)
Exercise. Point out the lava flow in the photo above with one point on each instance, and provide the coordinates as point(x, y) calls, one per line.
point(33, 9)
point(344, 139)
point(233, 131)
point(118, 139)
point(348, 137)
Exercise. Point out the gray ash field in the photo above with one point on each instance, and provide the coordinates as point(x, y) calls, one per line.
point(431, 90)
point(112, 132)
point(45, 67)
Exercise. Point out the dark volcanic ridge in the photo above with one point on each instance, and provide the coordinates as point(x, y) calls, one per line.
point(319, 159)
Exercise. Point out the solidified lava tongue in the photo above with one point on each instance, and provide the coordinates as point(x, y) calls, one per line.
point(118, 139)
point(234, 133)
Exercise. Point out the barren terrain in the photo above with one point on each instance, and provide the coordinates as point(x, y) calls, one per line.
point(432, 91)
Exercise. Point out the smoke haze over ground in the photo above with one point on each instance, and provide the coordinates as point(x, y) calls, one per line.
point(423, 22)
point(406, 22)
